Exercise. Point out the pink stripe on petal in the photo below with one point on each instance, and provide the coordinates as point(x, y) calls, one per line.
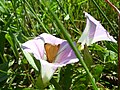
point(92, 29)
point(65, 54)
point(94, 32)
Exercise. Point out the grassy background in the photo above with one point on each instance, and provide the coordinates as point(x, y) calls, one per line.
point(26, 19)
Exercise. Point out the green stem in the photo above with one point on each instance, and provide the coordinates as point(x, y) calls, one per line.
point(66, 35)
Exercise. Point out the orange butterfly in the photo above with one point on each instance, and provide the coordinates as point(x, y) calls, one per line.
point(51, 51)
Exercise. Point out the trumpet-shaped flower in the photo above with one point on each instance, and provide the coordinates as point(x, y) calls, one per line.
point(52, 53)
point(94, 32)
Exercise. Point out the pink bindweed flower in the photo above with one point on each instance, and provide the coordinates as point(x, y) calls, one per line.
point(94, 32)
point(52, 52)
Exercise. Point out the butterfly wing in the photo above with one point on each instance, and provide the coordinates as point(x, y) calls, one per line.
point(51, 51)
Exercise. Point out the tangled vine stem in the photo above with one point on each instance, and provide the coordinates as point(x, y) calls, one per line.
point(116, 9)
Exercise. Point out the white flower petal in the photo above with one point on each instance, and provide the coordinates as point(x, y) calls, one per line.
point(94, 32)
point(64, 56)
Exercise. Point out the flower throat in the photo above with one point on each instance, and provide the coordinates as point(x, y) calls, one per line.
point(51, 51)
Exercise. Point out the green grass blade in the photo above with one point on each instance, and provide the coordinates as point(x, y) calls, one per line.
point(76, 29)
point(37, 17)
point(11, 39)
point(66, 35)
point(104, 16)
point(57, 86)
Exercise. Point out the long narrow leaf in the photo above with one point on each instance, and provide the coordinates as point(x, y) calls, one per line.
point(66, 35)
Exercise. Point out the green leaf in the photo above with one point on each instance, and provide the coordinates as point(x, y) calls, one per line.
point(87, 57)
point(66, 81)
point(112, 46)
point(39, 83)
point(2, 45)
point(3, 71)
point(97, 70)
point(11, 39)
point(30, 60)
point(2, 42)
point(3, 7)
point(56, 85)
